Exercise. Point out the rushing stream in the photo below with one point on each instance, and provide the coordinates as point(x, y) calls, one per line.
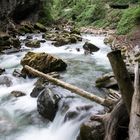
point(19, 119)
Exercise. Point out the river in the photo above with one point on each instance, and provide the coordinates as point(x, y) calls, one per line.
point(19, 119)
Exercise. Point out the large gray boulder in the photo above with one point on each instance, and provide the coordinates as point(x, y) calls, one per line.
point(47, 104)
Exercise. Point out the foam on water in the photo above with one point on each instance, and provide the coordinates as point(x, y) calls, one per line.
point(23, 108)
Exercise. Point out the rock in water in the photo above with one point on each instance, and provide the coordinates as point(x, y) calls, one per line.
point(91, 130)
point(2, 70)
point(47, 104)
point(43, 62)
point(33, 43)
point(39, 87)
point(40, 27)
point(89, 48)
point(17, 93)
point(5, 80)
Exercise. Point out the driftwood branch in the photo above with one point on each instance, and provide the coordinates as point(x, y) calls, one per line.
point(134, 125)
point(70, 87)
point(122, 77)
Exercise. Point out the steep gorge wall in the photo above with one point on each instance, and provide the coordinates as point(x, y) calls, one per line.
point(19, 10)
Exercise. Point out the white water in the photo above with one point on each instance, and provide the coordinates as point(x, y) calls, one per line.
point(19, 119)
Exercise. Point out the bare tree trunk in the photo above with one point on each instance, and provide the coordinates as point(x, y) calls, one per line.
point(70, 87)
point(134, 125)
point(116, 123)
point(122, 77)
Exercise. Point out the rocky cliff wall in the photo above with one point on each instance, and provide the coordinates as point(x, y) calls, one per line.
point(19, 10)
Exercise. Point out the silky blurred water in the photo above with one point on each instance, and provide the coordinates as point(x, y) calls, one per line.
point(19, 119)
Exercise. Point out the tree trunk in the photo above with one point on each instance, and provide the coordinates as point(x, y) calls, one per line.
point(122, 77)
point(116, 124)
point(134, 125)
point(72, 88)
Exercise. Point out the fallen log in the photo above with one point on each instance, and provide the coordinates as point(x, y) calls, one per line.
point(122, 77)
point(134, 125)
point(72, 88)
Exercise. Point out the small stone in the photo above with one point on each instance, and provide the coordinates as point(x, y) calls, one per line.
point(40, 27)
point(89, 47)
point(17, 93)
point(33, 44)
point(2, 70)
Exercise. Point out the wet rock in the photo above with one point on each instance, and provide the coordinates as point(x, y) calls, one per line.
point(4, 39)
point(40, 27)
point(39, 87)
point(8, 42)
point(17, 93)
point(71, 115)
point(17, 73)
point(11, 50)
point(89, 47)
point(62, 38)
point(26, 28)
point(29, 37)
point(4, 80)
point(60, 42)
point(107, 81)
point(78, 49)
point(43, 62)
point(33, 43)
point(75, 31)
point(73, 39)
point(2, 70)
point(15, 42)
point(47, 104)
point(91, 130)
point(42, 41)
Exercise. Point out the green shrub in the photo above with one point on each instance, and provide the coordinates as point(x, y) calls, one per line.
point(46, 12)
point(129, 20)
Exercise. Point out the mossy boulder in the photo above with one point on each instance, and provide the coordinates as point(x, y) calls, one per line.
point(15, 42)
point(26, 28)
point(7, 42)
point(61, 42)
point(33, 43)
point(40, 27)
point(4, 39)
point(43, 62)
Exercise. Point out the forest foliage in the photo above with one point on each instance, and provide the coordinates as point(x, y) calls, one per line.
point(94, 13)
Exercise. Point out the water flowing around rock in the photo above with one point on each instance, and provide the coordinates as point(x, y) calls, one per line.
point(20, 113)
